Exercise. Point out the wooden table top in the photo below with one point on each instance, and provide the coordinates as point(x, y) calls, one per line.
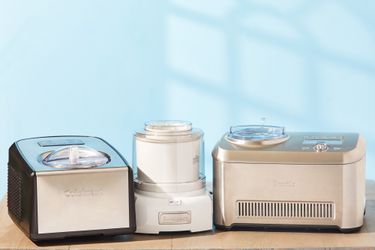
point(12, 238)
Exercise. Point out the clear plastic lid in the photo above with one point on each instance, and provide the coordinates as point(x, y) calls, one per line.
point(257, 135)
point(169, 131)
point(164, 126)
point(75, 157)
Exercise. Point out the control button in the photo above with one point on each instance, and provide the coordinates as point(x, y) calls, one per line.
point(321, 147)
point(174, 218)
point(304, 148)
point(336, 148)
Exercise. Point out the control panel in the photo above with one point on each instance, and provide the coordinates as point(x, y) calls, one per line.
point(322, 143)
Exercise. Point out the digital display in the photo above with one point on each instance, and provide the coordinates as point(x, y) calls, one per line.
point(327, 141)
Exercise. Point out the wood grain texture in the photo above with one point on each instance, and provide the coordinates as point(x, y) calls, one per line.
point(11, 237)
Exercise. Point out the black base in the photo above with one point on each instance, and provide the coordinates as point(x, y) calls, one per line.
point(283, 228)
point(78, 234)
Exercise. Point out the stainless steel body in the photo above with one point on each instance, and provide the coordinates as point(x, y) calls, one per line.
point(310, 180)
point(54, 202)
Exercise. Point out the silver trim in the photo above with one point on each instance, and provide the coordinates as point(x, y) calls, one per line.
point(170, 187)
point(262, 143)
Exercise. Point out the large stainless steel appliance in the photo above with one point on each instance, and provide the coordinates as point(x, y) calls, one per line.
point(65, 186)
point(267, 178)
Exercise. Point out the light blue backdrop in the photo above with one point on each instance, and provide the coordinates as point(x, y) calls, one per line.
point(104, 67)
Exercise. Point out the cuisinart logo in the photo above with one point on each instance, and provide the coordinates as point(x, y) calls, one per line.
point(284, 183)
point(83, 192)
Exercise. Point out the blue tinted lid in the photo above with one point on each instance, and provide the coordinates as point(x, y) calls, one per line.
point(248, 134)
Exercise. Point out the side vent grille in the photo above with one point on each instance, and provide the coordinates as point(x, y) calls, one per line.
point(286, 209)
point(14, 193)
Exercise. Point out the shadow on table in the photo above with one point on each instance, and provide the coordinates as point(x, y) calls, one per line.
point(120, 238)
point(101, 239)
point(84, 240)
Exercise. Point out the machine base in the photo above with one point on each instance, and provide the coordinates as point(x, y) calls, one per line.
point(277, 228)
point(173, 212)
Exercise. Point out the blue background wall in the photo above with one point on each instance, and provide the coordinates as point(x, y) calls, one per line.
point(104, 67)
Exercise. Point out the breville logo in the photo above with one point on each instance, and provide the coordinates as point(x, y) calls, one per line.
point(83, 192)
point(284, 183)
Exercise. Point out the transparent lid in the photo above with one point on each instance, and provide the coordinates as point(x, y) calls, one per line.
point(257, 135)
point(169, 131)
point(75, 157)
point(165, 126)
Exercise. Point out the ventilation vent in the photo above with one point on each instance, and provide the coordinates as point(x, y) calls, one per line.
point(14, 193)
point(284, 209)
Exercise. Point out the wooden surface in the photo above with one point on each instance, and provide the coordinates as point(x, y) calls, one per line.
point(12, 238)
